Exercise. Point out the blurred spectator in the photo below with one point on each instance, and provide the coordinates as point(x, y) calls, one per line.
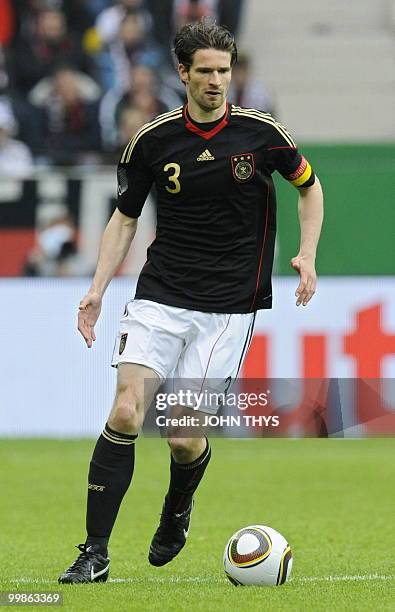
point(171, 14)
point(230, 14)
point(4, 79)
point(95, 7)
point(69, 121)
point(109, 21)
point(20, 108)
point(189, 11)
point(37, 54)
point(245, 90)
point(87, 87)
point(7, 22)
point(55, 252)
point(15, 158)
point(130, 121)
point(131, 47)
point(145, 93)
point(78, 16)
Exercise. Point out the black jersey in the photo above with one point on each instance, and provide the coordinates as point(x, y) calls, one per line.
point(216, 206)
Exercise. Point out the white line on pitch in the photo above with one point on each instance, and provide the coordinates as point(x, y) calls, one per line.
point(212, 580)
point(341, 578)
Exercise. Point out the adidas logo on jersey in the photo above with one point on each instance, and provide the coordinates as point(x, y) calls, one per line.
point(205, 156)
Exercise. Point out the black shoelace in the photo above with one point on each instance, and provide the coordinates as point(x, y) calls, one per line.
point(82, 558)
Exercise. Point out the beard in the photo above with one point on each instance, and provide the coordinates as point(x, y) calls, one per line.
point(208, 104)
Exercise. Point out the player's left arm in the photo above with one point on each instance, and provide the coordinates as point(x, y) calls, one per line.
point(283, 156)
point(311, 214)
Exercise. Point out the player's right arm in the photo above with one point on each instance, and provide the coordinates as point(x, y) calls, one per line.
point(134, 182)
point(115, 244)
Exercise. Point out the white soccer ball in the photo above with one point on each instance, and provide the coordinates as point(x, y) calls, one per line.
point(257, 555)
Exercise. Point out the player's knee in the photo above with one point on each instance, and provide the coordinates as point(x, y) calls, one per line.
point(125, 420)
point(125, 416)
point(183, 448)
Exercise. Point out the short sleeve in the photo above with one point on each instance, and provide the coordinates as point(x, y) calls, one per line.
point(134, 181)
point(284, 156)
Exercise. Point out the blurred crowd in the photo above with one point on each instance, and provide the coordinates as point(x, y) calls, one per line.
point(79, 77)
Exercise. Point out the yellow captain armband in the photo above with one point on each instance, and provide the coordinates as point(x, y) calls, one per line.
point(303, 176)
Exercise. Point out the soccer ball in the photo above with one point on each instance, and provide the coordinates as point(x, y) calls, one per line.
point(257, 555)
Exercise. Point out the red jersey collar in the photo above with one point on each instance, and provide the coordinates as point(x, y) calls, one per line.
point(204, 134)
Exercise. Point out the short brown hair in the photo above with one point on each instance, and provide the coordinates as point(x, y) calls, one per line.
point(205, 34)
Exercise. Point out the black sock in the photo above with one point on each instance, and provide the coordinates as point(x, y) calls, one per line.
point(110, 474)
point(184, 480)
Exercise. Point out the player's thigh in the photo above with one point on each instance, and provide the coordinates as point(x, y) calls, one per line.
point(150, 335)
point(218, 348)
point(136, 385)
point(212, 359)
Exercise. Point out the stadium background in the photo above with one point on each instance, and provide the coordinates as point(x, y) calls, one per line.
point(328, 71)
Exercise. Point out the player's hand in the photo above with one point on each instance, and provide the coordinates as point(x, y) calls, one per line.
point(88, 313)
point(304, 265)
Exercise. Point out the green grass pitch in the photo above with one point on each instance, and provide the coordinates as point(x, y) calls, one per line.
point(332, 499)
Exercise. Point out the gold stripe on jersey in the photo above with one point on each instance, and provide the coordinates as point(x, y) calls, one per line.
point(255, 112)
point(146, 129)
point(265, 118)
point(251, 110)
point(163, 115)
point(175, 110)
point(174, 114)
point(272, 122)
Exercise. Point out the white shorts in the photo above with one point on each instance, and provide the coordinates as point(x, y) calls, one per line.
point(205, 349)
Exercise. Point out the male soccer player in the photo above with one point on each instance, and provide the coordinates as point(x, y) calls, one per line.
point(207, 273)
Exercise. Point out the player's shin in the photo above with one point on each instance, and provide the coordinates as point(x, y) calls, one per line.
point(110, 474)
point(184, 480)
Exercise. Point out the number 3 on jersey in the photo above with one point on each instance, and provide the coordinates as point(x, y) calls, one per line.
point(173, 178)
